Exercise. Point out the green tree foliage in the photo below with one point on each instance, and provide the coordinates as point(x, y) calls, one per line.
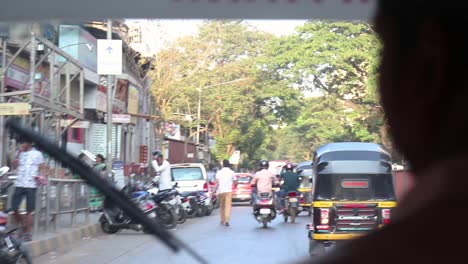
point(336, 61)
point(219, 67)
point(255, 88)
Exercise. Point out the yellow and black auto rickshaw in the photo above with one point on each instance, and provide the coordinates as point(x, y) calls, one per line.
point(353, 192)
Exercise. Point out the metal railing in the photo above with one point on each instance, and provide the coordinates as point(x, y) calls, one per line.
point(58, 198)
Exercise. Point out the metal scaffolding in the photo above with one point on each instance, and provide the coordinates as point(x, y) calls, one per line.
point(50, 101)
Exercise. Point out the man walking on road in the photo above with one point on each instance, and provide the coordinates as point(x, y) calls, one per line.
point(225, 179)
point(29, 163)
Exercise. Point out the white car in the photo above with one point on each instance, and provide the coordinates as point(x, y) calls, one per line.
point(191, 177)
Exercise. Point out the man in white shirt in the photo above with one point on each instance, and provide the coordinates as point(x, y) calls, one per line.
point(162, 167)
point(225, 179)
point(29, 164)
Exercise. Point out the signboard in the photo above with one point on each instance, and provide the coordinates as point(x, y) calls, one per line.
point(143, 154)
point(17, 77)
point(109, 60)
point(118, 118)
point(77, 124)
point(122, 90)
point(101, 98)
point(132, 106)
point(7, 109)
point(98, 139)
point(172, 131)
point(79, 44)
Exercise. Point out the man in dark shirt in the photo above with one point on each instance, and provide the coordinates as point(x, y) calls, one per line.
point(290, 183)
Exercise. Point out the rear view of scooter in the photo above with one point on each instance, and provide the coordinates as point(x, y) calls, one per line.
point(264, 209)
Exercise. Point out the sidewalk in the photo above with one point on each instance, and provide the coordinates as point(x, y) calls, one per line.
point(46, 242)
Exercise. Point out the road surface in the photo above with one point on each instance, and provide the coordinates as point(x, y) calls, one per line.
point(245, 241)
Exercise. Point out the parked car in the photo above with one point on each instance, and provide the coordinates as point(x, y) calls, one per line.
point(242, 191)
point(192, 177)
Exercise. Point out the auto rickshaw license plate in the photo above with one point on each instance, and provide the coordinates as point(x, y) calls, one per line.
point(293, 200)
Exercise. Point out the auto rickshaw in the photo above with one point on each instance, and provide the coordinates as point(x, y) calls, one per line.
point(353, 193)
point(304, 170)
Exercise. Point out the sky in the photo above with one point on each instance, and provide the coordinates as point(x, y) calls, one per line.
point(158, 33)
point(177, 28)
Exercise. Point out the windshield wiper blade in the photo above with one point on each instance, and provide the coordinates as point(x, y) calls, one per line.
point(92, 178)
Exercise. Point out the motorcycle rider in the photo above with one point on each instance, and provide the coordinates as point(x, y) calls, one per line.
point(291, 183)
point(264, 179)
point(162, 167)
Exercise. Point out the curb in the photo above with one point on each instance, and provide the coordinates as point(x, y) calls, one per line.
point(41, 247)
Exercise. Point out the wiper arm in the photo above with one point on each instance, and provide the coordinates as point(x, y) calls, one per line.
point(92, 178)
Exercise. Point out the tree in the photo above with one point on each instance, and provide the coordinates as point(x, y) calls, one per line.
point(337, 61)
point(219, 67)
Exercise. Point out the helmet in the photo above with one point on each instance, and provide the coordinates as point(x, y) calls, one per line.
point(263, 164)
point(157, 153)
point(289, 166)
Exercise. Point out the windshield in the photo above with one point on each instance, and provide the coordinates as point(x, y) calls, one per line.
point(305, 183)
point(202, 92)
point(306, 173)
point(187, 174)
point(356, 187)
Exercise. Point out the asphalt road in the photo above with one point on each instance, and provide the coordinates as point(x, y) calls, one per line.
point(245, 241)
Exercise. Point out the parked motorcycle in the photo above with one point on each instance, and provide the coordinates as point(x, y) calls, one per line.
point(113, 219)
point(204, 204)
point(214, 195)
point(291, 206)
point(190, 203)
point(174, 199)
point(166, 204)
point(11, 246)
point(264, 209)
point(181, 206)
point(200, 203)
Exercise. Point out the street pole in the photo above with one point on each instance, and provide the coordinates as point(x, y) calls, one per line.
point(150, 134)
point(3, 149)
point(199, 115)
point(200, 89)
point(109, 110)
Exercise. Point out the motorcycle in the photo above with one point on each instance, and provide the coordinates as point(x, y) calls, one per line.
point(113, 219)
point(166, 205)
point(214, 196)
point(264, 209)
point(291, 206)
point(205, 207)
point(11, 246)
point(182, 206)
point(190, 203)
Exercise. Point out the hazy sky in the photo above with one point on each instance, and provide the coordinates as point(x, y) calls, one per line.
point(158, 33)
point(177, 28)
